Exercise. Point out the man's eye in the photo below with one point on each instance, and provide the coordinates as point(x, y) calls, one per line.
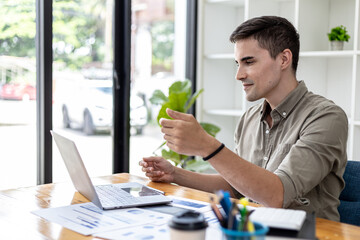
point(249, 62)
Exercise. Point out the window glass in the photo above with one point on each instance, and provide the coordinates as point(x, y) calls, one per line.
point(82, 77)
point(17, 94)
point(158, 53)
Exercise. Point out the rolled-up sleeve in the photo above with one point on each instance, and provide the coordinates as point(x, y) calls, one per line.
point(289, 187)
point(320, 147)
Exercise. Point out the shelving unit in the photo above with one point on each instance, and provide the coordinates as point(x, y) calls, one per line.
point(333, 74)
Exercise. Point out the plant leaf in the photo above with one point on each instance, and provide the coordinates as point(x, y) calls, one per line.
point(158, 97)
point(338, 34)
point(162, 112)
point(180, 99)
point(198, 166)
point(179, 93)
point(210, 128)
point(180, 87)
point(154, 152)
point(171, 155)
point(193, 98)
point(177, 101)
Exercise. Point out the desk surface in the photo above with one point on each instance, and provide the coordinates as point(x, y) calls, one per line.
point(17, 222)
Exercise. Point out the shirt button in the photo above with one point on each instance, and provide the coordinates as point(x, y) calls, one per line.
point(267, 131)
point(266, 158)
point(284, 113)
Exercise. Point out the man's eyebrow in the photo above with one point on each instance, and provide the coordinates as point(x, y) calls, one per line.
point(246, 58)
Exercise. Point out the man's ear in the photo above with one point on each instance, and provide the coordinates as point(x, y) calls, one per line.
point(286, 59)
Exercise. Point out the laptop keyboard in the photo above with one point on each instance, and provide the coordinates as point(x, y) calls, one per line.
point(279, 217)
point(113, 195)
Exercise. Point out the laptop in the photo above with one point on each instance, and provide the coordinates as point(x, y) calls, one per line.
point(110, 196)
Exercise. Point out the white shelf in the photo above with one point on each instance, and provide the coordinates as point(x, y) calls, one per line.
point(345, 53)
point(225, 112)
point(220, 56)
point(236, 3)
point(357, 123)
point(332, 74)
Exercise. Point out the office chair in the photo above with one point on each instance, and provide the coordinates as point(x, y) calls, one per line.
point(349, 208)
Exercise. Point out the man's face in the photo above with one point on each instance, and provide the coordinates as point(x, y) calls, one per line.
point(258, 72)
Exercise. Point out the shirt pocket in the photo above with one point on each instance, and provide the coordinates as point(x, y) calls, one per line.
point(278, 156)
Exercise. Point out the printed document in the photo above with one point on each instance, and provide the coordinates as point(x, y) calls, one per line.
point(88, 219)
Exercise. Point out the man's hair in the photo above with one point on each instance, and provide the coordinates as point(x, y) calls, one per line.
point(273, 33)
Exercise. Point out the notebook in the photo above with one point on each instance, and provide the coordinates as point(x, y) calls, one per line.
point(111, 196)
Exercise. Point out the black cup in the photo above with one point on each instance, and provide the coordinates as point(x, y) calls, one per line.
point(188, 225)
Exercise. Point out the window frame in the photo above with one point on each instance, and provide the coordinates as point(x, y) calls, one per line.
point(121, 80)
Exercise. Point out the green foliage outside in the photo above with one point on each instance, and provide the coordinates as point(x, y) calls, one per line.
point(338, 34)
point(180, 99)
point(78, 32)
point(162, 33)
point(17, 28)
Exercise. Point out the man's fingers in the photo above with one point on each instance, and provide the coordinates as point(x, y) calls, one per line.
point(142, 163)
point(172, 146)
point(152, 159)
point(147, 169)
point(166, 123)
point(178, 115)
point(166, 130)
point(154, 174)
point(169, 140)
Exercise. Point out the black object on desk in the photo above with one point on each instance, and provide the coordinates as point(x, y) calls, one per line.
point(307, 231)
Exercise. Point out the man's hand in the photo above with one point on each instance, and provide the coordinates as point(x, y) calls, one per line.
point(158, 169)
point(185, 135)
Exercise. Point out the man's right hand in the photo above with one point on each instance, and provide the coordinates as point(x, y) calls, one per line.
point(158, 169)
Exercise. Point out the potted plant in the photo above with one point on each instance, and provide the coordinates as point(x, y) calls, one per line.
point(180, 99)
point(337, 37)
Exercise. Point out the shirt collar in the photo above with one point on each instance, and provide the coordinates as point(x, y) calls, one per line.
point(288, 104)
point(266, 109)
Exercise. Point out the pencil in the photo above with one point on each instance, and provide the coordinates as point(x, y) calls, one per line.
point(217, 212)
point(232, 223)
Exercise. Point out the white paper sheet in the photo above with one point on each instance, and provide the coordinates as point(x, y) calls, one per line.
point(162, 231)
point(88, 219)
point(150, 231)
point(191, 204)
point(147, 231)
point(129, 223)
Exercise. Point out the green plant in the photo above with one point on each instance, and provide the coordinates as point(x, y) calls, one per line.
point(180, 99)
point(339, 34)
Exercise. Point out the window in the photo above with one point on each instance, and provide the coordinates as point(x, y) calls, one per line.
point(82, 82)
point(158, 59)
point(80, 91)
point(17, 94)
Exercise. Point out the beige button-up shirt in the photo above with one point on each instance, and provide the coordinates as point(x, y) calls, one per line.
point(305, 148)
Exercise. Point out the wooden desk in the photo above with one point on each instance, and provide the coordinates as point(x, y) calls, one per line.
point(16, 221)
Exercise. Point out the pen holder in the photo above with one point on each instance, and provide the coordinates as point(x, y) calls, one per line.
point(258, 234)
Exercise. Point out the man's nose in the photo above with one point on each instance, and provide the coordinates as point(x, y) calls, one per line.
point(240, 74)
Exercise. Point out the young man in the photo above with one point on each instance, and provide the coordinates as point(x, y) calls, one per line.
point(290, 150)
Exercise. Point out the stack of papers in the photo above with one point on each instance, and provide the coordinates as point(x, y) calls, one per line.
point(129, 223)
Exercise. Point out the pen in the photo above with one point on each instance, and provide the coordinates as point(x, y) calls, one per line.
point(217, 212)
point(225, 201)
point(243, 212)
point(232, 222)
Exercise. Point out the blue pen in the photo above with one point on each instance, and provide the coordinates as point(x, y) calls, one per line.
point(225, 201)
point(232, 221)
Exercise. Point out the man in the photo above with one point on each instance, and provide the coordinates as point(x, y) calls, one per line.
point(290, 150)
